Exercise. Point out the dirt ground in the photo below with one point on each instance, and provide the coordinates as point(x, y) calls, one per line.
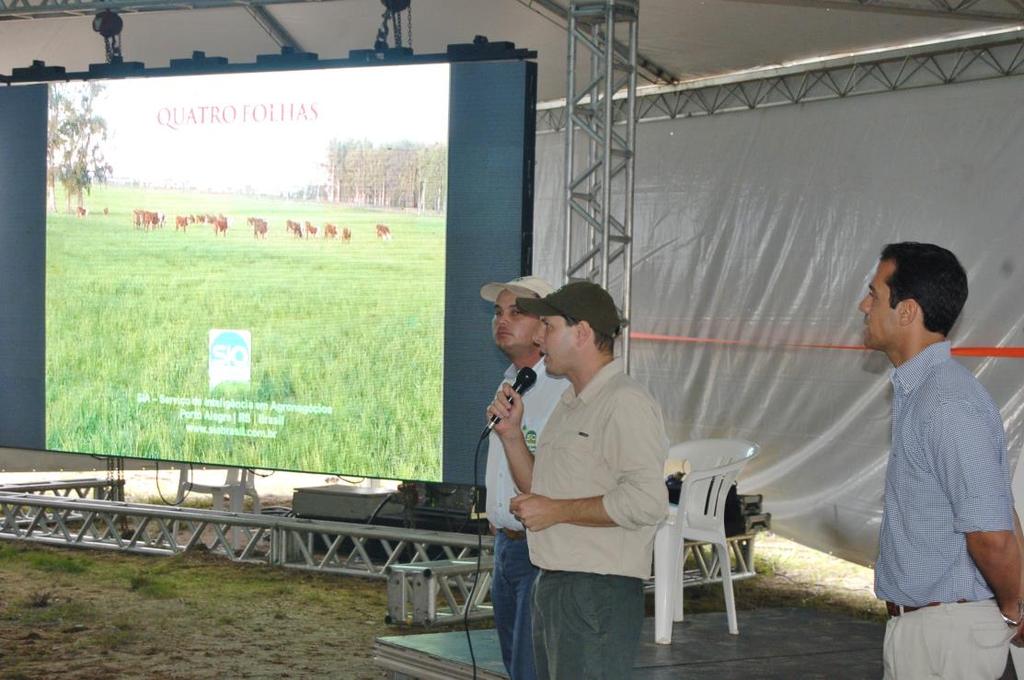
point(78, 614)
point(90, 614)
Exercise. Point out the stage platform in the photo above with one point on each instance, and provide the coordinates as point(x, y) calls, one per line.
point(773, 644)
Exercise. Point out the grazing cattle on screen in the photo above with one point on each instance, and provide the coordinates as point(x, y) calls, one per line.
point(310, 229)
point(220, 225)
point(293, 228)
point(346, 234)
point(383, 232)
point(259, 227)
point(146, 219)
point(191, 219)
point(180, 222)
point(210, 219)
point(106, 211)
point(330, 231)
point(81, 212)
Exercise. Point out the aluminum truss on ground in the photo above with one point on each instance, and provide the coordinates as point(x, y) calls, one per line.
point(330, 547)
point(414, 591)
point(96, 489)
point(705, 566)
point(993, 56)
point(599, 153)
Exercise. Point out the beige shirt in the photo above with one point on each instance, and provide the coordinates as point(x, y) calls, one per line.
point(609, 441)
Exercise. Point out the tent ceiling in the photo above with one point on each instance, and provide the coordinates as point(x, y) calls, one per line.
point(686, 38)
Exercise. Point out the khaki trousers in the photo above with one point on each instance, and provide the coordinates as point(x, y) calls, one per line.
point(959, 641)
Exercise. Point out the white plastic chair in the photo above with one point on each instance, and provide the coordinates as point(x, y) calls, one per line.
point(238, 483)
point(714, 465)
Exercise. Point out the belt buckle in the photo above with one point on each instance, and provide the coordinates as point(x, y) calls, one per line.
point(514, 535)
point(894, 610)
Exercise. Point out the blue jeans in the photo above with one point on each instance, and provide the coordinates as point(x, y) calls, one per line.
point(511, 595)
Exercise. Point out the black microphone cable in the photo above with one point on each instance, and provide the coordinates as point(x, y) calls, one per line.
point(479, 548)
point(184, 496)
point(525, 379)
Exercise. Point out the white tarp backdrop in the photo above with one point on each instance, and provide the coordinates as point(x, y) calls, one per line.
point(755, 236)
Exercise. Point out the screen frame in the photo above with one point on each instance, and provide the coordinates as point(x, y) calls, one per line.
point(489, 226)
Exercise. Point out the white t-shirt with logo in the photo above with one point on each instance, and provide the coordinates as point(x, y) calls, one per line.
point(538, 403)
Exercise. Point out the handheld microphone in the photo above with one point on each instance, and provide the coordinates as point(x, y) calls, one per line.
point(524, 381)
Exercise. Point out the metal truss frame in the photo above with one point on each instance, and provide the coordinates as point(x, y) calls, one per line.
point(433, 576)
point(310, 545)
point(700, 565)
point(706, 568)
point(96, 489)
point(463, 585)
point(599, 176)
point(986, 10)
point(960, 61)
point(990, 10)
point(42, 9)
point(649, 69)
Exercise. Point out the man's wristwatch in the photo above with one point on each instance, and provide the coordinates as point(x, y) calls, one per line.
point(1020, 615)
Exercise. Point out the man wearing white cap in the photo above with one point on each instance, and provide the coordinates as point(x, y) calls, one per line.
point(514, 332)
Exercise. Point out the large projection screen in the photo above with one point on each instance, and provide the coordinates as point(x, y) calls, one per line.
point(265, 269)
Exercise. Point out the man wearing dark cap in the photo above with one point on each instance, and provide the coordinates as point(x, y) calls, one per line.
point(592, 494)
point(512, 583)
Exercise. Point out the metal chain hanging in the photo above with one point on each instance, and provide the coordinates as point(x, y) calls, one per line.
point(109, 25)
point(408, 20)
point(393, 12)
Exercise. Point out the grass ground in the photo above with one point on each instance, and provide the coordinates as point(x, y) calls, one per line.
point(91, 615)
point(129, 314)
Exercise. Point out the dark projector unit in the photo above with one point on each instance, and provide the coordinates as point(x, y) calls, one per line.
point(342, 503)
point(414, 505)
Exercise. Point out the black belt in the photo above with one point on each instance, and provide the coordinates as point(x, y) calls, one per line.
point(895, 610)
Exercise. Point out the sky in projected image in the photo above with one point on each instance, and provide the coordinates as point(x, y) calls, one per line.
point(264, 132)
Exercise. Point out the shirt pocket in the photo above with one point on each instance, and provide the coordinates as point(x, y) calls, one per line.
point(579, 468)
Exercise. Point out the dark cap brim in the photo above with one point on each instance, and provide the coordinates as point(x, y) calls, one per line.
point(537, 307)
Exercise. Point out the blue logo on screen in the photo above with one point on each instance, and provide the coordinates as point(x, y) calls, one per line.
point(230, 356)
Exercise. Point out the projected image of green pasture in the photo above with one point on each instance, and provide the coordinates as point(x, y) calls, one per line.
point(346, 332)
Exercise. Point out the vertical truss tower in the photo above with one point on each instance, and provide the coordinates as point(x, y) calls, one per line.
point(599, 149)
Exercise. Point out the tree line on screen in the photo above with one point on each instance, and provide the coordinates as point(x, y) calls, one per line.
point(403, 175)
point(74, 147)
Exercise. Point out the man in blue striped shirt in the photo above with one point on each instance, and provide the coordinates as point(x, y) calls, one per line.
point(949, 555)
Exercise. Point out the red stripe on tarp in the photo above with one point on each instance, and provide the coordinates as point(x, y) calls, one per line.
point(1000, 352)
point(1008, 352)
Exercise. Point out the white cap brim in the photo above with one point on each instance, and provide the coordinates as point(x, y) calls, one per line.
point(524, 286)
